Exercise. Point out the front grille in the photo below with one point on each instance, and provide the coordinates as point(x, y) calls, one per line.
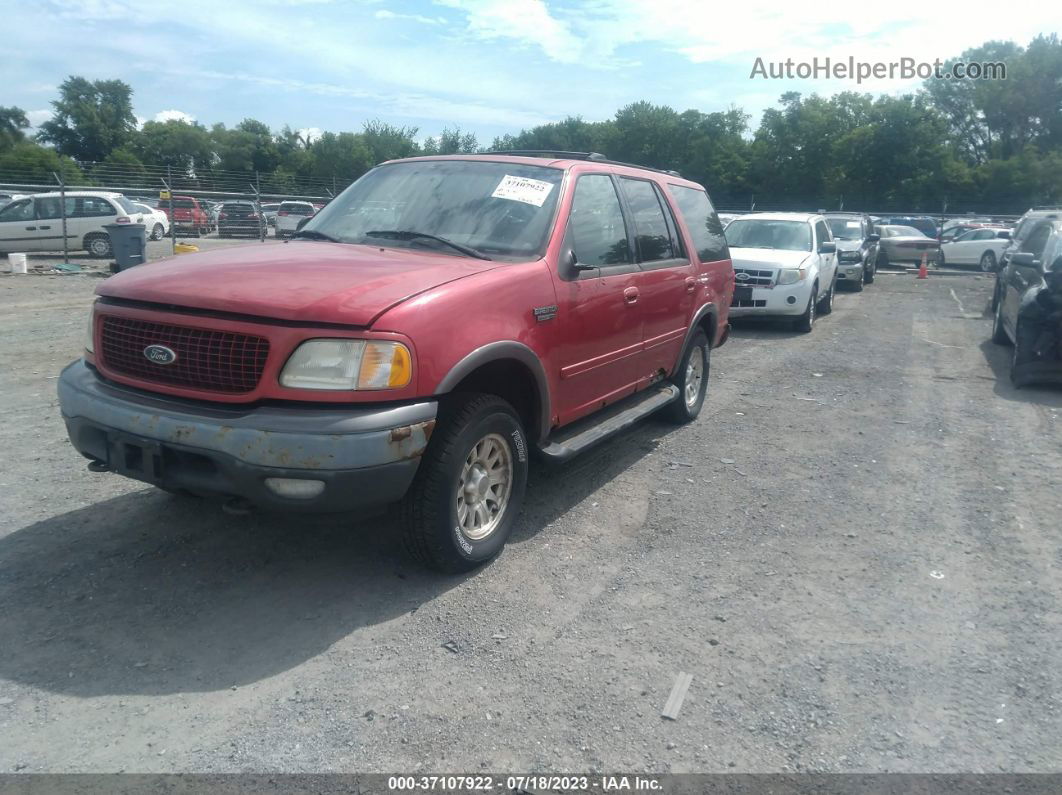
point(212, 361)
point(749, 302)
point(755, 278)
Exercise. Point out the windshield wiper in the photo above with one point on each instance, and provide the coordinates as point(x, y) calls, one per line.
point(407, 234)
point(313, 234)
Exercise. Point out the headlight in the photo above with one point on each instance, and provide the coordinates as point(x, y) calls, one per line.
point(90, 344)
point(851, 256)
point(348, 365)
point(792, 275)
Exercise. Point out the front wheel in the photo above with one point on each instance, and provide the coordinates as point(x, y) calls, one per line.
point(470, 485)
point(988, 262)
point(999, 333)
point(826, 306)
point(868, 271)
point(806, 322)
point(157, 232)
point(691, 380)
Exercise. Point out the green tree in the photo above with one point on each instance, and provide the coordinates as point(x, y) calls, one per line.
point(451, 142)
point(13, 122)
point(92, 118)
point(123, 169)
point(388, 142)
point(184, 147)
point(32, 164)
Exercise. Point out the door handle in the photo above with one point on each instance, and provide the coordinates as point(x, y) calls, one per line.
point(44, 227)
point(691, 284)
point(31, 229)
point(630, 295)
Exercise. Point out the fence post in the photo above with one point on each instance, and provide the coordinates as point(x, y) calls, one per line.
point(62, 214)
point(168, 182)
point(258, 205)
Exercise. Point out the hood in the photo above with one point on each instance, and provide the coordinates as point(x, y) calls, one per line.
point(303, 280)
point(767, 258)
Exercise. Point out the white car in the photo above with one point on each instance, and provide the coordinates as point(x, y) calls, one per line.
point(785, 265)
point(289, 214)
point(35, 223)
point(981, 247)
point(156, 221)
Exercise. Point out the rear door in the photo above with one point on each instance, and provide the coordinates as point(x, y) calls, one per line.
point(827, 262)
point(50, 223)
point(597, 305)
point(1018, 278)
point(665, 284)
point(18, 226)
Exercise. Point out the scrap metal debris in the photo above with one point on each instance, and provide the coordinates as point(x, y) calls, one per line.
point(678, 694)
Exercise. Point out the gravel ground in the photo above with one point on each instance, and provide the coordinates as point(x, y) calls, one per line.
point(854, 552)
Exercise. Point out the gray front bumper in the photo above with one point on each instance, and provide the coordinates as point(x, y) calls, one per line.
point(365, 455)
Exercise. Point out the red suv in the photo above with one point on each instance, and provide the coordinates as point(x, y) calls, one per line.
point(417, 339)
point(188, 214)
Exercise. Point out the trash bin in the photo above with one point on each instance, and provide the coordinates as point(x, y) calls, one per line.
point(128, 244)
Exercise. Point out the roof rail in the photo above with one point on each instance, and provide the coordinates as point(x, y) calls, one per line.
point(1048, 207)
point(561, 155)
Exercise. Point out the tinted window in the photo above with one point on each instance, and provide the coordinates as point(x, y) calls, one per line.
point(700, 217)
point(766, 233)
point(984, 234)
point(95, 207)
point(1037, 239)
point(650, 229)
point(599, 236)
point(296, 208)
point(822, 232)
point(18, 211)
point(178, 204)
point(49, 207)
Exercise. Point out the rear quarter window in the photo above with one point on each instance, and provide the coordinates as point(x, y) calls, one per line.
point(702, 222)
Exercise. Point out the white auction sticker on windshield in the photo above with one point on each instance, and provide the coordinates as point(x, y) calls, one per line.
point(522, 189)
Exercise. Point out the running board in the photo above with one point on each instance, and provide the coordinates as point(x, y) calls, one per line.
point(570, 441)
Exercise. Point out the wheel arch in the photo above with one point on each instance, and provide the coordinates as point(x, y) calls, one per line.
point(707, 320)
point(512, 371)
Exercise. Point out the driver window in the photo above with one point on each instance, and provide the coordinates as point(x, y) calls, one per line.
point(17, 211)
point(599, 236)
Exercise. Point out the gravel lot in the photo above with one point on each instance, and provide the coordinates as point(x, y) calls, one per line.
point(855, 552)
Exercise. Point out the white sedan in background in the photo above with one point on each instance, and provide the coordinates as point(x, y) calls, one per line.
point(154, 220)
point(980, 247)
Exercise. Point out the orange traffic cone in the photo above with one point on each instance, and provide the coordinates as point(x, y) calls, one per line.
point(923, 272)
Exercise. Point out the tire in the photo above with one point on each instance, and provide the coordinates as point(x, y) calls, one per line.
point(98, 245)
point(157, 232)
point(883, 259)
point(437, 533)
point(806, 322)
point(941, 262)
point(826, 304)
point(691, 380)
point(999, 333)
point(857, 286)
point(1017, 357)
point(869, 269)
point(988, 262)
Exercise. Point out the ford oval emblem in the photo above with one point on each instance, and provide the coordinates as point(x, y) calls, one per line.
point(160, 354)
point(741, 277)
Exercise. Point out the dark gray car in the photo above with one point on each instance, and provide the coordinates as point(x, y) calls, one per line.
point(857, 248)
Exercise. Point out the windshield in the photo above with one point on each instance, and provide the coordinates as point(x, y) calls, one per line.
point(762, 233)
point(845, 228)
point(503, 210)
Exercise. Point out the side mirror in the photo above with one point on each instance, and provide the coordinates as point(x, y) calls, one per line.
point(873, 238)
point(577, 266)
point(1024, 259)
point(302, 222)
point(828, 247)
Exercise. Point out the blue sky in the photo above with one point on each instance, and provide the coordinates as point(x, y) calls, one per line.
point(487, 66)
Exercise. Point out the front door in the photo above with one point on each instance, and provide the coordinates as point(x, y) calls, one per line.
point(597, 304)
point(50, 223)
point(18, 227)
point(1018, 278)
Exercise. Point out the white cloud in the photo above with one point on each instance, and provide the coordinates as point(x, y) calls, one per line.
point(383, 13)
point(310, 134)
point(175, 115)
point(38, 117)
point(527, 21)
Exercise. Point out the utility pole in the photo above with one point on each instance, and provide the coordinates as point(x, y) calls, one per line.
point(168, 182)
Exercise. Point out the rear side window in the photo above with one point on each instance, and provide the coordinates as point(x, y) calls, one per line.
point(702, 221)
point(599, 236)
point(296, 208)
point(652, 235)
point(96, 207)
point(49, 208)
